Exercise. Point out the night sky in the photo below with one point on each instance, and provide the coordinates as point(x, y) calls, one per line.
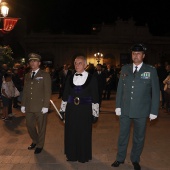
point(78, 16)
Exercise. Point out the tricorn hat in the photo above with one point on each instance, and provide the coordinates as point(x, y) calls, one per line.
point(138, 47)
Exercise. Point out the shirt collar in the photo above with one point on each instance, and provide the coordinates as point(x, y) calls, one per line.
point(139, 66)
point(35, 71)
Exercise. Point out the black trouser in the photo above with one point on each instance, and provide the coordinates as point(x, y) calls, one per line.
point(162, 94)
point(107, 91)
point(15, 101)
point(167, 99)
point(10, 106)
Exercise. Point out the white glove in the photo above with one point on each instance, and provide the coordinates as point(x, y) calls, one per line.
point(23, 109)
point(118, 111)
point(44, 110)
point(63, 106)
point(152, 117)
point(95, 109)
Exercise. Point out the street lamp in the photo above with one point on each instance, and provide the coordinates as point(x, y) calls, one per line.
point(4, 8)
point(8, 22)
point(98, 56)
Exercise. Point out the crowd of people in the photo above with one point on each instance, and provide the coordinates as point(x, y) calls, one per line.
point(82, 89)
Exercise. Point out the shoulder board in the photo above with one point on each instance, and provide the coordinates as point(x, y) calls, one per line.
point(150, 66)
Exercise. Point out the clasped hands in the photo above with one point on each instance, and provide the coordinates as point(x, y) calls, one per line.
point(151, 116)
point(44, 110)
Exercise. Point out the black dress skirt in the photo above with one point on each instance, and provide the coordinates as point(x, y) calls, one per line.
point(78, 119)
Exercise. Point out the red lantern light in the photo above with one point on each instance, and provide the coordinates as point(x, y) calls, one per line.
point(9, 24)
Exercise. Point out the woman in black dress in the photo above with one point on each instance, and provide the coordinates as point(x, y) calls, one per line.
point(80, 104)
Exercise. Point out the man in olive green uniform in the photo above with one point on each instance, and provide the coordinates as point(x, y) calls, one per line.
point(137, 99)
point(35, 102)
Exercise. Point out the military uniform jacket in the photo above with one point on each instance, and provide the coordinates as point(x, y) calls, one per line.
point(138, 96)
point(36, 92)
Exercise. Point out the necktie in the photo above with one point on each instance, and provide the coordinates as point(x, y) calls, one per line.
point(78, 74)
point(33, 74)
point(136, 69)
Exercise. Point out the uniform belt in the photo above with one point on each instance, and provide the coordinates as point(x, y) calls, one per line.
point(79, 100)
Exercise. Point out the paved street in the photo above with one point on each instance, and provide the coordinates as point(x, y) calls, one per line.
point(14, 141)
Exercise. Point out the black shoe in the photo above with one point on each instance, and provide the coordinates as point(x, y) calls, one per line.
point(116, 163)
point(3, 118)
point(32, 146)
point(71, 160)
point(136, 166)
point(38, 150)
point(7, 119)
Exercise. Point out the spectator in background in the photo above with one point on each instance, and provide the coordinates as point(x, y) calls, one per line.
point(7, 91)
point(63, 75)
point(167, 93)
point(168, 69)
point(48, 70)
point(101, 79)
point(4, 68)
point(22, 70)
point(115, 77)
point(90, 68)
point(109, 82)
point(55, 79)
point(162, 74)
point(18, 84)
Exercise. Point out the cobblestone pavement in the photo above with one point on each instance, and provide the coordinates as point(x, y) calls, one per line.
point(14, 141)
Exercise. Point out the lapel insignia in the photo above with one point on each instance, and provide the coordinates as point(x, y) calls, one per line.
point(146, 75)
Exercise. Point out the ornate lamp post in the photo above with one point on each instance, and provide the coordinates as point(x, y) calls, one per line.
point(98, 56)
point(8, 22)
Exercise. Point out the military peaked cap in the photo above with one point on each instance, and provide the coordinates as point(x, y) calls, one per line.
point(33, 56)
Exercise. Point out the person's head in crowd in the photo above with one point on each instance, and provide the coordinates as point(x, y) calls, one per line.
point(108, 66)
point(15, 71)
point(4, 66)
point(47, 69)
point(167, 68)
point(65, 67)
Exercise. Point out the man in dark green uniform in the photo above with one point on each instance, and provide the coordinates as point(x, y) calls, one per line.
point(137, 99)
